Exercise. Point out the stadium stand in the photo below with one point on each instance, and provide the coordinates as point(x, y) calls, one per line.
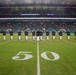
point(21, 9)
point(37, 11)
point(50, 25)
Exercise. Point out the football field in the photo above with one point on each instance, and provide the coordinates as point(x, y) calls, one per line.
point(46, 57)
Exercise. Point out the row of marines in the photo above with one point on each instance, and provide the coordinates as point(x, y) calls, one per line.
point(39, 34)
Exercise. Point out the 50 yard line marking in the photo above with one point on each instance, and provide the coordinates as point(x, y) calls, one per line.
point(38, 60)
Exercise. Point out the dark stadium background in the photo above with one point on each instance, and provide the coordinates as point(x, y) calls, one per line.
point(38, 9)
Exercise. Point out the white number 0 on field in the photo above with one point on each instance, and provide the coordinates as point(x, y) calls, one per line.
point(27, 55)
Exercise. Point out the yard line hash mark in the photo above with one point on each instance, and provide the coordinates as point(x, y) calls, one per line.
point(4, 43)
point(38, 60)
point(70, 42)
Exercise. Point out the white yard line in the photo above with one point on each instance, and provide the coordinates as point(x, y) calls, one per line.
point(70, 42)
point(4, 43)
point(38, 60)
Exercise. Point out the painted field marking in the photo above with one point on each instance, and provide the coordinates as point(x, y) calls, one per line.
point(69, 42)
point(4, 43)
point(38, 60)
point(56, 56)
point(26, 55)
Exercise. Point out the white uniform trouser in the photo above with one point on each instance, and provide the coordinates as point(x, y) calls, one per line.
point(33, 37)
point(47, 37)
point(53, 37)
point(60, 37)
point(68, 37)
point(19, 37)
point(11, 37)
point(38, 38)
point(26, 37)
point(4, 37)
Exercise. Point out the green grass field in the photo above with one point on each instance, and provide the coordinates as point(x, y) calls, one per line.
point(20, 57)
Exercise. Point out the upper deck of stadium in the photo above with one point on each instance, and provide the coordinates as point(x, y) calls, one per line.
point(38, 8)
point(37, 2)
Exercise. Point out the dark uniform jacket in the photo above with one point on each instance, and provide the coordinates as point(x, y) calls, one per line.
point(60, 33)
point(4, 33)
point(41, 33)
point(38, 33)
point(33, 33)
point(68, 33)
point(47, 33)
point(11, 33)
point(19, 33)
point(75, 33)
point(26, 33)
point(53, 33)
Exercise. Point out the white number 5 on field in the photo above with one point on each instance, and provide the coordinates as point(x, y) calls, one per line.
point(26, 55)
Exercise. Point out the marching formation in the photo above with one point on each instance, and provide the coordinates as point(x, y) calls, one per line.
point(38, 35)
